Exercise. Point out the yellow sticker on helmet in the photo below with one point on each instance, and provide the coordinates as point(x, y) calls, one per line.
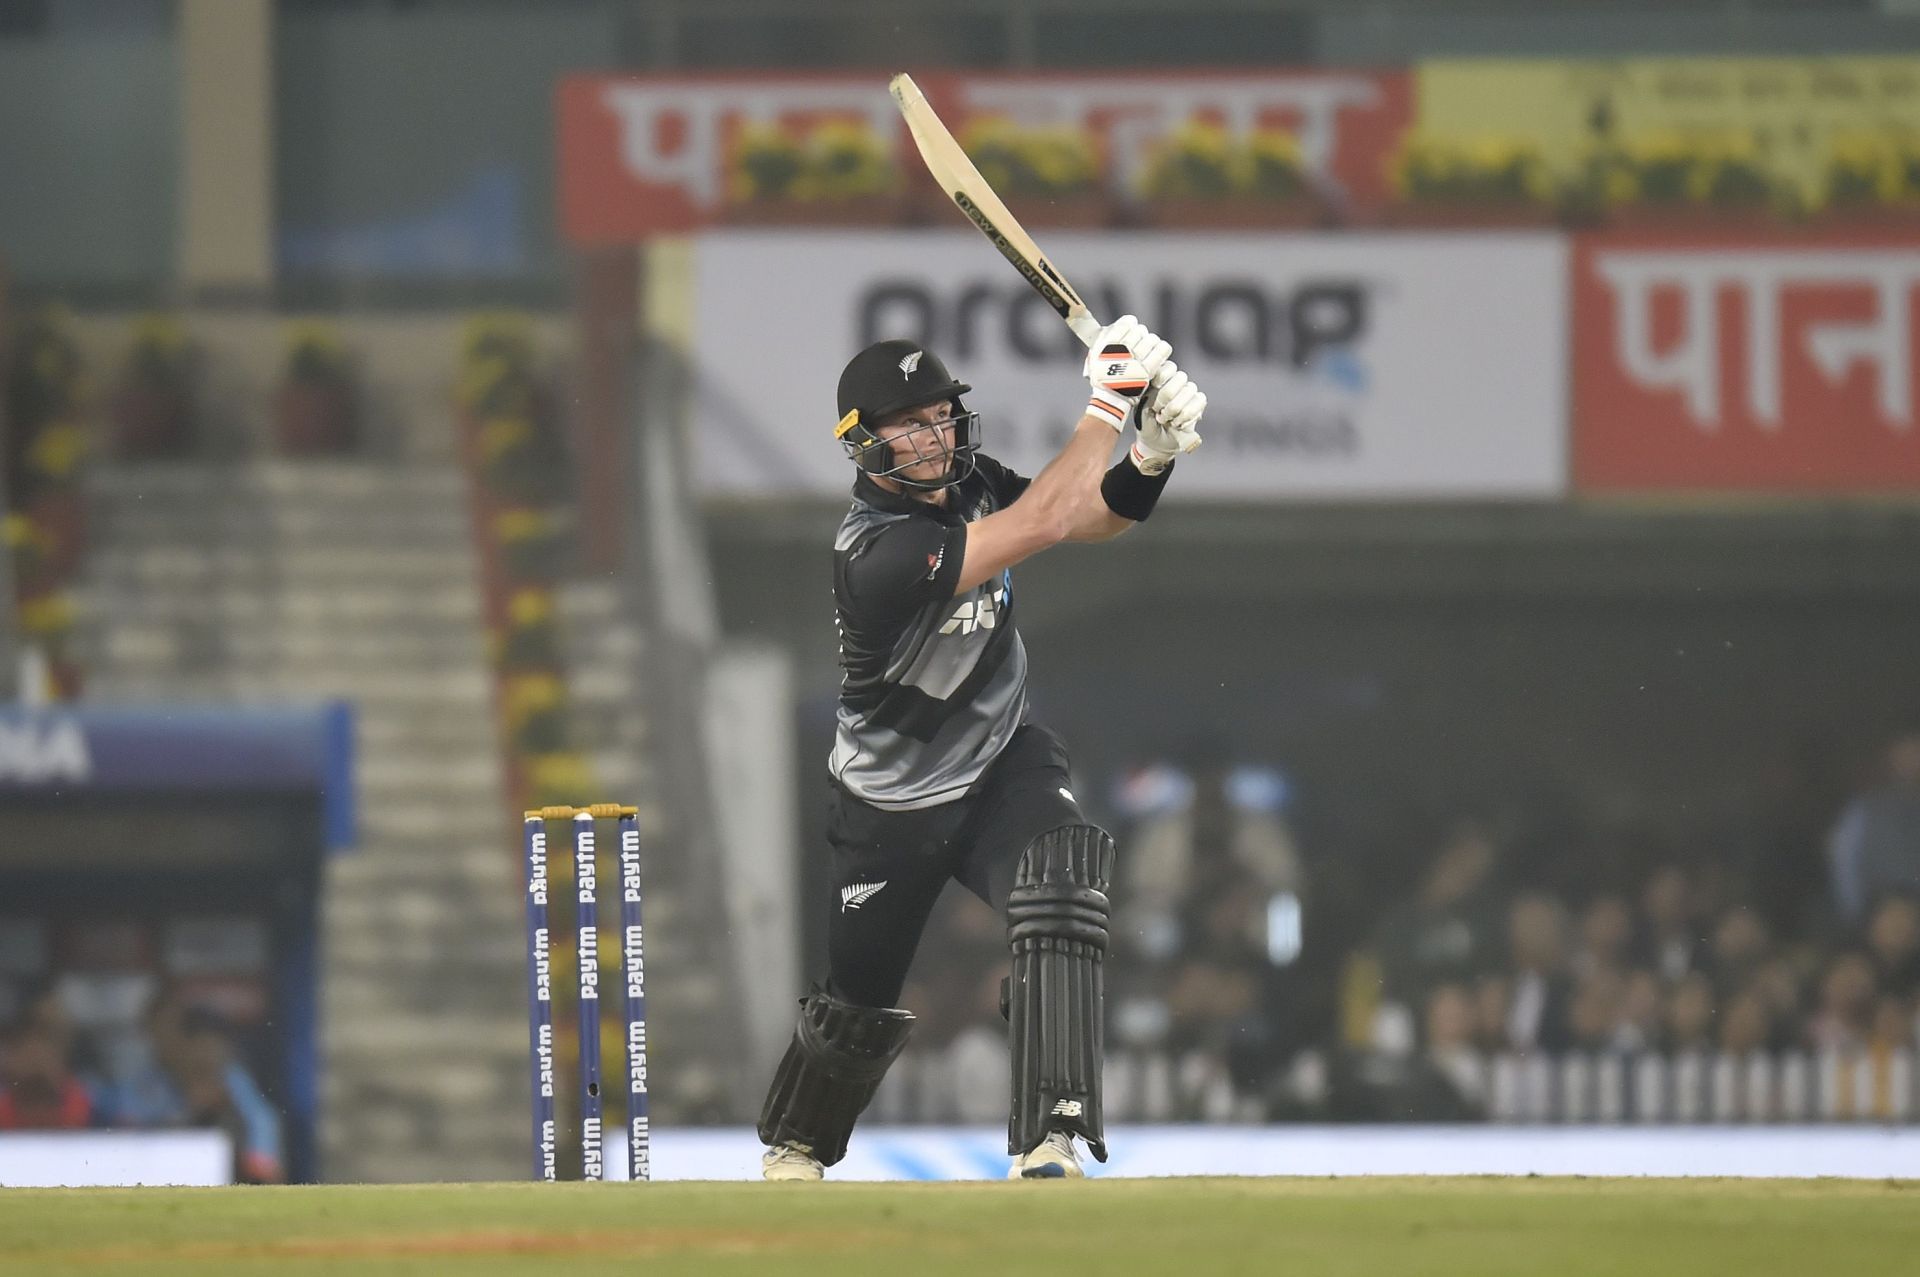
point(847, 423)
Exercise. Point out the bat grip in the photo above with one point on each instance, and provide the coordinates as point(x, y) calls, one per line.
point(1085, 327)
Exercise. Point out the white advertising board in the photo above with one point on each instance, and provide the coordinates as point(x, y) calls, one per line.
point(951, 1153)
point(1336, 366)
point(94, 1159)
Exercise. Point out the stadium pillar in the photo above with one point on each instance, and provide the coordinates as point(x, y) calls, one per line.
point(606, 308)
point(9, 633)
point(225, 249)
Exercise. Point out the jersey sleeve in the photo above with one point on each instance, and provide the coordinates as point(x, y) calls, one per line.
point(903, 567)
point(1005, 485)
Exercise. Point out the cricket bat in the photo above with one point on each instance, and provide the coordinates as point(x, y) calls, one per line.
point(964, 185)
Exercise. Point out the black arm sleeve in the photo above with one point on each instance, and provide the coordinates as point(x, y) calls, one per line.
point(1130, 494)
point(904, 567)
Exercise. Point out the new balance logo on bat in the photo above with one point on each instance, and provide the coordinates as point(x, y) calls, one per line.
point(853, 895)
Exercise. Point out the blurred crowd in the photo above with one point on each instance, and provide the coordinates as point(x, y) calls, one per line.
point(1223, 970)
point(1677, 956)
point(180, 1069)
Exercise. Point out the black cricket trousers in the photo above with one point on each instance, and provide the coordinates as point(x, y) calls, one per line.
point(890, 866)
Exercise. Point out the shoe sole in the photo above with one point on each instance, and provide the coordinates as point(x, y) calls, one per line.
point(1046, 1170)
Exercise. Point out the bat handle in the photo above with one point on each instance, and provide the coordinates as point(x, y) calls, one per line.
point(1085, 327)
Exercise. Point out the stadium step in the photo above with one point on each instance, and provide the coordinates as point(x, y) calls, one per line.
point(418, 826)
point(453, 602)
point(479, 867)
point(287, 581)
point(392, 567)
point(300, 581)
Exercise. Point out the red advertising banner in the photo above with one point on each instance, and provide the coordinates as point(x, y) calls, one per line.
point(1345, 124)
point(1761, 363)
point(642, 155)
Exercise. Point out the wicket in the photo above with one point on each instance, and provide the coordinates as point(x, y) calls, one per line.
point(540, 988)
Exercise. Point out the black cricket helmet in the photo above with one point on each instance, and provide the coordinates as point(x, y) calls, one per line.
point(885, 378)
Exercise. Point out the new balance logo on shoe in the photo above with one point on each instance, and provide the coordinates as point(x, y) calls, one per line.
point(853, 895)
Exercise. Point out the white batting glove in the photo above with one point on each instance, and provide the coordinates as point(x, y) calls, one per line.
point(1168, 420)
point(1119, 367)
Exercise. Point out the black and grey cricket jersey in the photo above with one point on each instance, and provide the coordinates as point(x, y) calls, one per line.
point(932, 686)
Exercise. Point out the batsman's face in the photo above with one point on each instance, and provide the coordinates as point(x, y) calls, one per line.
point(921, 440)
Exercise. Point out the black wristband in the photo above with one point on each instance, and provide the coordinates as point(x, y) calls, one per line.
point(1130, 494)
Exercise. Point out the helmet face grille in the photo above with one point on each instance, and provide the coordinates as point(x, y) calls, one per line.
point(876, 456)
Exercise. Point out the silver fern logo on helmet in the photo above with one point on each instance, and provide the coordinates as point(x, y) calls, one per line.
point(908, 364)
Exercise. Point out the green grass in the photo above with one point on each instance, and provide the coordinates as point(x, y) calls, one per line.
point(1376, 1227)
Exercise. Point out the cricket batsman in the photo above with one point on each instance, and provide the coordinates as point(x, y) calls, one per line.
point(938, 770)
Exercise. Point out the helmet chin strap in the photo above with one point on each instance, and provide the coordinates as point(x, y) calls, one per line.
point(931, 485)
point(956, 474)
